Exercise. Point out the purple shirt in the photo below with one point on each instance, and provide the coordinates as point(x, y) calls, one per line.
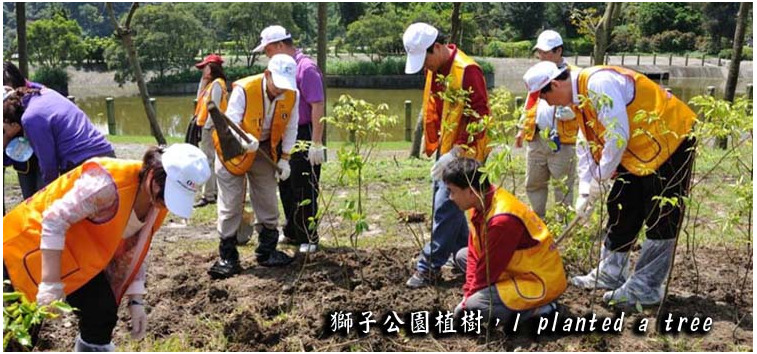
point(60, 133)
point(310, 84)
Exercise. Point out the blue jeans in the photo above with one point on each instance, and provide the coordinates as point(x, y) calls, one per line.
point(449, 232)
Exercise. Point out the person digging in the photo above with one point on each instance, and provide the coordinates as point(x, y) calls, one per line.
point(264, 106)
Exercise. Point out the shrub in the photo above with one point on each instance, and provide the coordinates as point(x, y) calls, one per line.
point(746, 53)
point(580, 46)
point(54, 78)
point(508, 49)
point(674, 41)
point(624, 40)
point(194, 75)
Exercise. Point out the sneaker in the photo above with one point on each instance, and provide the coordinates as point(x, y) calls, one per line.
point(203, 202)
point(223, 269)
point(275, 259)
point(422, 279)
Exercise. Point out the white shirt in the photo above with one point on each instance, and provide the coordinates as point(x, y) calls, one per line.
point(621, 90)
point(236, 108)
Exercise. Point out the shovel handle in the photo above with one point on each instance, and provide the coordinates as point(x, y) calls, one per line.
point(243, 135)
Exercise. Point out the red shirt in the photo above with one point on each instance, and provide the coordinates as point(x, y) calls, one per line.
point(505, 234)
point(473, 80)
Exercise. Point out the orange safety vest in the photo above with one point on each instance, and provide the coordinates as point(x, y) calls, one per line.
point(201, 110)
point(535, 276)
point(445, 126)
point(90, 247)
point(567, 130)
point(658, 122)
point(252, 121)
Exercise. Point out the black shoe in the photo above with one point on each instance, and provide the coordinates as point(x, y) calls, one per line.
point(223, 269)
point(275, 259)
point(203, 202)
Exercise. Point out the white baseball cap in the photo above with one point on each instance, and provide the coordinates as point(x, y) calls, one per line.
point(272, 34)
point(186, 169)
point(548, 40)
point(283, 71)
point(539, 76)
point(417, 38)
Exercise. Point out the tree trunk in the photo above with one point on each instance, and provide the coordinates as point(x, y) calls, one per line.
point(124, 32)
point(23, 56)
point(733, 69)
point(415, 151)
point(604, 31)
point(457, 27)
point(322, 50)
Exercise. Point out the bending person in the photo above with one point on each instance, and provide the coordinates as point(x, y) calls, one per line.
point(86, 235)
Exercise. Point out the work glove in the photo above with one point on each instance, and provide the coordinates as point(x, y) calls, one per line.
point(444, 160)
point(49, 292)
point(285, 170)
point(563, 113)
point(584, 206)
point(252, 146)
point(316, 154)
point(138, 321)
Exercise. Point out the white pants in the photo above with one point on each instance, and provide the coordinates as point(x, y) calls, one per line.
point(231, 189)
point(206, 145)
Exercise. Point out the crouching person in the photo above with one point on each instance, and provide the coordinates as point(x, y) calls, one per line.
point(86, 235)
point(511, 263)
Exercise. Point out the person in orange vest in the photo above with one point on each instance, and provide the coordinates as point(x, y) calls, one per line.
point(265, 107)
point(212, 88)
point(85, 236)
point(445, 128)
point(511, 263)
point(551, 135)
point(639, 148)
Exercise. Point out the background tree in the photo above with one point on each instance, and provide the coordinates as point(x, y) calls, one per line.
point(55, 40)
point(733, 69)
point(245, 21)
point(657, 17)
point(457, 28)
point(124, 32)
point(525, 18)
point(719, 22)
point(23, 57)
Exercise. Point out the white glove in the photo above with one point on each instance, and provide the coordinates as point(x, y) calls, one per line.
point(138, 321)
point(563, 113)
point(584, 206)
point(252, 146)
point(285, 170)
point(316, 154)
point(444, 160)
point(49, 292)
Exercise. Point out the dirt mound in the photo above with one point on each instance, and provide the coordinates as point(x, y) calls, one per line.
point(288, 309)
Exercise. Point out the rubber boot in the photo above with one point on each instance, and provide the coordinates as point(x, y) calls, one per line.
point(646, 285)
point(266, 252)
point(81, 346)
point(612, 272)
point(228, 263)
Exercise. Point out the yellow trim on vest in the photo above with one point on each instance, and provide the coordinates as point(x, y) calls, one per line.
point(535, 276)
point(658, 122)
point(89, 247)
point(252, 121)
point(447, 127)
point(201, 110)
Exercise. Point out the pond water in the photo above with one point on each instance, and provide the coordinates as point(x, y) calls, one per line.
point(174, 112)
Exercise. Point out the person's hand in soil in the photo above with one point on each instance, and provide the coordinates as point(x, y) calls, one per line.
point(138, 318)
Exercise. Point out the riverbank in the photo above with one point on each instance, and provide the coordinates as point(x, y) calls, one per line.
point(508, 72)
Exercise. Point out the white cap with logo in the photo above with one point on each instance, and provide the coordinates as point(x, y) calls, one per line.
point(539, 76)
point(417, 38)
point(272, 34)
point(548, 40)
point(283, 71)
point(186, 169)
